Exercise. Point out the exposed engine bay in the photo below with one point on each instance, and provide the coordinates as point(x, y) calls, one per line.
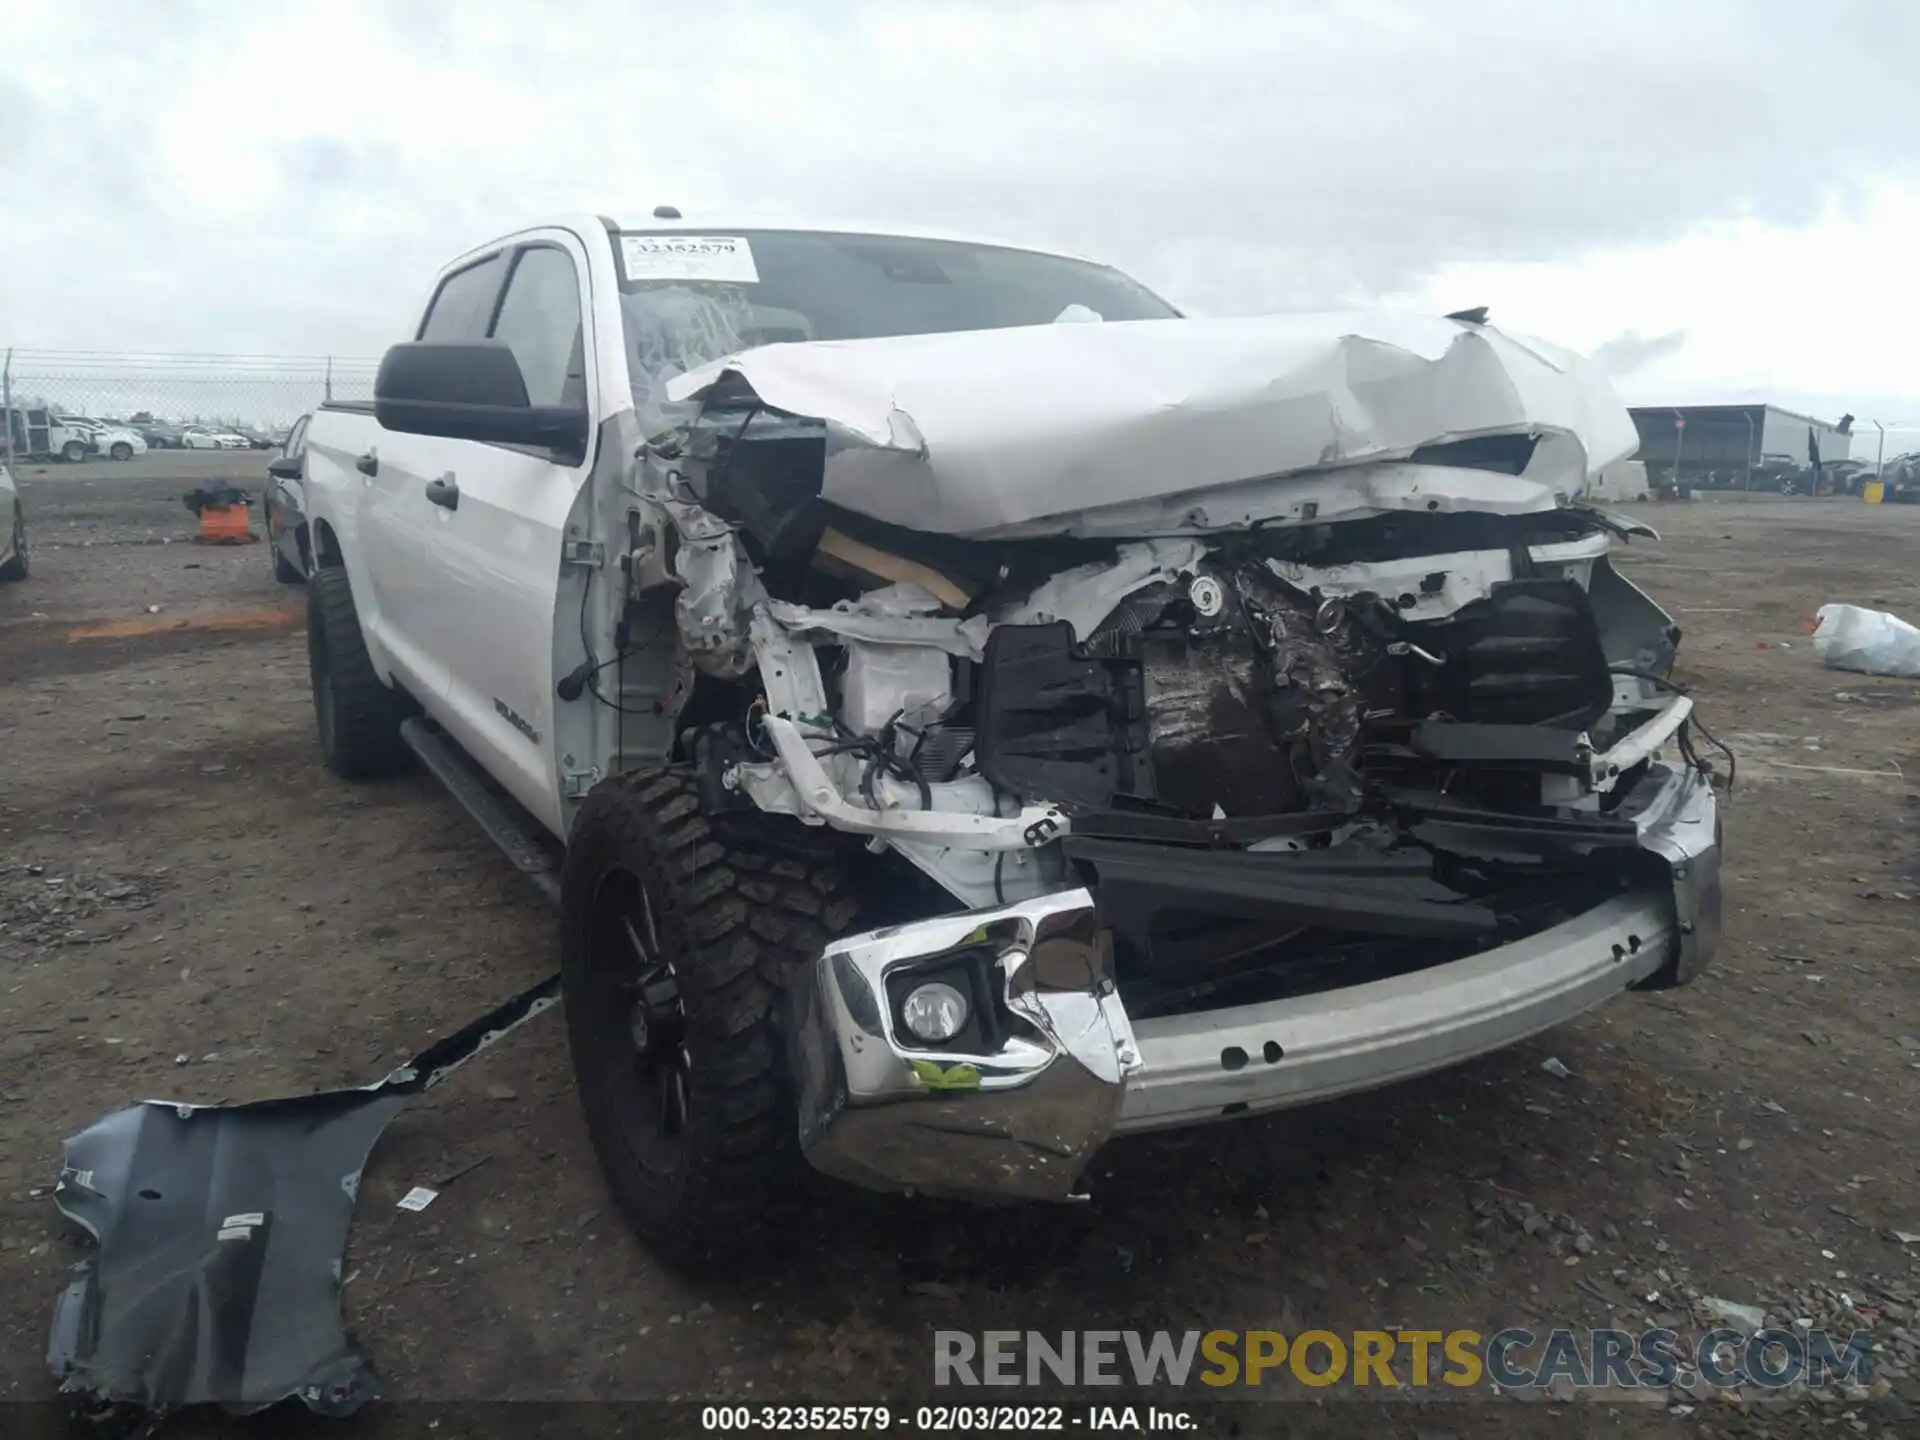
point(1382, 737)
point(1277, 747)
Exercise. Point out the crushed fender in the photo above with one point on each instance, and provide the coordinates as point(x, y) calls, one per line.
point(221, 1231)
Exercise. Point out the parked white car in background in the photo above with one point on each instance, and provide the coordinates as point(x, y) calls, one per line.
point(76, 437)
point(117, 442)
point(13, 530)
point(71, 438)
point(210, 440)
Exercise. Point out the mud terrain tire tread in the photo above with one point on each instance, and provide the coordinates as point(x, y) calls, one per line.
point(366, 713)
point(734, 918)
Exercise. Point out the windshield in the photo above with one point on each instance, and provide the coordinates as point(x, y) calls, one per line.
point(690, 299)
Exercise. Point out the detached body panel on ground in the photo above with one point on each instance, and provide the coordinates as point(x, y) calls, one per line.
point(1216, 715)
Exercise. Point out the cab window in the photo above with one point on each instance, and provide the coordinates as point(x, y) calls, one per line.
point(539, 321)
point(463, 304)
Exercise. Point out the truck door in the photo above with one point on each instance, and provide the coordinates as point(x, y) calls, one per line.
point(398, 524)
point(498, 517)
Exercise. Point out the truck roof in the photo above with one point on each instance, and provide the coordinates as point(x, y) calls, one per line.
point(724, 222)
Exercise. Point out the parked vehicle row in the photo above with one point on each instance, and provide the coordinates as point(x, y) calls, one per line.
point(164, 436)
point(42, 433)
point(1901, 477)
point(213, 440)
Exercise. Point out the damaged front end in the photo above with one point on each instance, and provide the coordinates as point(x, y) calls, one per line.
point(1242, 793)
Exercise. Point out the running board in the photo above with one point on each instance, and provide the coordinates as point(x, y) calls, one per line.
point(529, 848)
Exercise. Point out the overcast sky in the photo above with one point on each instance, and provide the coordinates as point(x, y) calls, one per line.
point(1722, 199)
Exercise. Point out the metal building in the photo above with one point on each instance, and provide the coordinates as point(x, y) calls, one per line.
point(1733, 446)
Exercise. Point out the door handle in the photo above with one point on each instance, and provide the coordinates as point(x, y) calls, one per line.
point(368, 464)
point(444, 492)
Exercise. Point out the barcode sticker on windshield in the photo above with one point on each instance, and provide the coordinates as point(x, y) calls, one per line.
point(689, 257)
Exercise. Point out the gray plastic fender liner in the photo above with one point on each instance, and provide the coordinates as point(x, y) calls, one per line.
point(221, 1231)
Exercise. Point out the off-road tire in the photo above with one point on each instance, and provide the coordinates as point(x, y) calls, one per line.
point(357, 717)
point(734, 918)
point(16, 566)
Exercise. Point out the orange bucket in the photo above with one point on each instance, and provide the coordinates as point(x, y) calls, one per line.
point(226, 525)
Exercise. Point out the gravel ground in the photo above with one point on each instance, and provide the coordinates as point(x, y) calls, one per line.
point(191, 907)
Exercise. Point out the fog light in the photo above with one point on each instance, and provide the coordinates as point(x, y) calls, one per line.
point(934, 1012)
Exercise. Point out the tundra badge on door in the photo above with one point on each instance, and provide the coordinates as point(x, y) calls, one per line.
point(506, 712)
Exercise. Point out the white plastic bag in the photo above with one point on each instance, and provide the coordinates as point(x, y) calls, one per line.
point(1871, 642)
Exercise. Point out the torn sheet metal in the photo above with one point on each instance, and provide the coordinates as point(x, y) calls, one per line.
point(1319, 497)
point(894, 615)
point(1088, 594)
point(718, 589)
point(984, 431)
point(221, 1230)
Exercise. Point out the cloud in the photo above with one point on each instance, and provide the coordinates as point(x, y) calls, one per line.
point(1632, 351)
point(1767, 312)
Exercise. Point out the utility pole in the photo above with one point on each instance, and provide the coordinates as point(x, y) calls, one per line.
point(1880, 460)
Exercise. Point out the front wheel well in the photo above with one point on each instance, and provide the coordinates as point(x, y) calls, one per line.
point(326, 548)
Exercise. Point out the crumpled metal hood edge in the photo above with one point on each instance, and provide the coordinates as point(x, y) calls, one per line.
point(1035, 430)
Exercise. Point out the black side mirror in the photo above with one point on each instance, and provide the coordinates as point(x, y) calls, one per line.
point(286, 467)
point(470, 391)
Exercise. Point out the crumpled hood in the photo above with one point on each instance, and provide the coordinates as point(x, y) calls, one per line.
point(1041, 428)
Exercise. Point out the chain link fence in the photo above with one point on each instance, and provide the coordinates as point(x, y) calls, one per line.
point(79, 404)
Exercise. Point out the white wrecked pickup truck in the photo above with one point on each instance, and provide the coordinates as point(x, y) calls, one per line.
point(965, 711)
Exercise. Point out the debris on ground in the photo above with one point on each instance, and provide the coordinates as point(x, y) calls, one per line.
point(215, 497)
point(224, 518)
point(167, 1312)
point(1748, 1317)
point(1553, 1066)
point(37, 908)
point(1871, 642)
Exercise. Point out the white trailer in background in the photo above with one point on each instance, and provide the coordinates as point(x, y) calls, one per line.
point(1622, 480)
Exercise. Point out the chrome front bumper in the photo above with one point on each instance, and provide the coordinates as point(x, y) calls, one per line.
point(1021, 1114)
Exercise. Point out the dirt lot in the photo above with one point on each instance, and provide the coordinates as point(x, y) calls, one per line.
point(191, 907)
